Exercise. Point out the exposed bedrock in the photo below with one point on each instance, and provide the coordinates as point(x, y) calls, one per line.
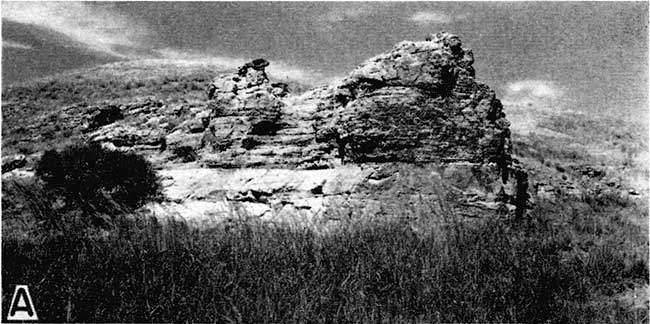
point(418, 103)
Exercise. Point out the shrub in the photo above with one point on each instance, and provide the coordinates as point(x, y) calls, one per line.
point(88, 175)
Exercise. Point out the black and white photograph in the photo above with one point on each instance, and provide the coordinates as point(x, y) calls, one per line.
point(325, 162)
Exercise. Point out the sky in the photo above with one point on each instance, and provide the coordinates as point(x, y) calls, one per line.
point(584, 56)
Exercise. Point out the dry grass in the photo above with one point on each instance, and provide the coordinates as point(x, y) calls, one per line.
point(559, 266)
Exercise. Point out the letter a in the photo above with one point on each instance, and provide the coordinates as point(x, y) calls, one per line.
point(22, 307)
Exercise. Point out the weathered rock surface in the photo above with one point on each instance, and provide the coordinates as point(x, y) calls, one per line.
point(417, 103)
point(327, 197)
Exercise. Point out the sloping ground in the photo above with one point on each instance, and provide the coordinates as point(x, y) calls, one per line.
point(576, 159)
point(588, 153)
point(31, 110)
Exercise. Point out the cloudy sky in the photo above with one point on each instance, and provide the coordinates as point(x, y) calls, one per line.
point(581, 56)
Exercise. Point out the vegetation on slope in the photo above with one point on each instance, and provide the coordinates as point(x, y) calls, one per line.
point(564, 264)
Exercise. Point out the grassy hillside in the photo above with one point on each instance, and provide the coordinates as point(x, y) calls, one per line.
point(31, 110)
point(576, 258)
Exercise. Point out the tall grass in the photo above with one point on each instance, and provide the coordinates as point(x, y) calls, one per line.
point(485, 271)
point(420, 262)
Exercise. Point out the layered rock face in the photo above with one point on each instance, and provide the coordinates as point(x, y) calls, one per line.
point(418, 103)
point(260, 149)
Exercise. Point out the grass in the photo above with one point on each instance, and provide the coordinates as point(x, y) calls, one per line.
point(559, 267)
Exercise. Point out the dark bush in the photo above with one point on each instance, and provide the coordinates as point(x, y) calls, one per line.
point(88, 175)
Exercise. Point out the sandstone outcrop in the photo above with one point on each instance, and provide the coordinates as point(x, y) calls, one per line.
point(418, 103)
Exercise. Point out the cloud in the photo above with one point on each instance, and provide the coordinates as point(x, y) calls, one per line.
point(339, 14)
point(529, 102)
point(435, 17)
point(100, 27)
point(94, 26)
point(281, 70)
point(196, 57)
point(532, 89)
point(278, 70)
point(13, 44)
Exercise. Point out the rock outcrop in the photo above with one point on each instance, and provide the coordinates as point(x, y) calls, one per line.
point(418, 103)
